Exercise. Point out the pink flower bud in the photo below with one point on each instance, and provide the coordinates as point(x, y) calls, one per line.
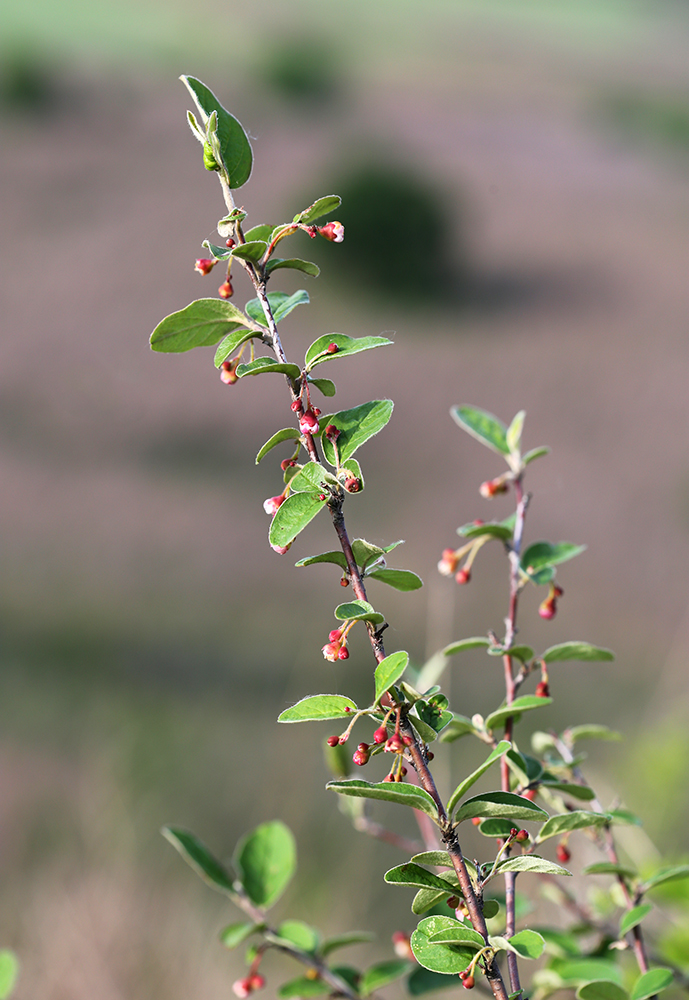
point(361, 754)
point(522, 836)
point(380, 735)
point(242, 987)
point(332, 348)
point(332, 432)
point(226, 291)
point(542, 690)
point(271, 505)
point(257, 981)
point(448, 562)
point(402, 947)
point(316, 412)
point(394, 744)
point(228, 371)
point(295, 405)
point(331, 651)
point(463, 576)
point(335, 635)
point(343, 654)
point(332, 741)
point(333, 231)
point(493, 487)
point(280, 549)
point(204, 265)
point(308, 423)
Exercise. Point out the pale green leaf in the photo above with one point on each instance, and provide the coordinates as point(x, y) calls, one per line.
point(526, 703)
point(402, 794)
point(317, 707)
point(482, 425)
point(650, 983)
point(632, 918)
point(500, 804)
point(564, 822)
point(266, 859)
point(234, 143)
point(382, 974)
point(464, 786)
point(200, 324)
point(389, 671)
point(577, 651)
point(197, 855)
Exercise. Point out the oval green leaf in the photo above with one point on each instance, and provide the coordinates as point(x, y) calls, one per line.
point(260, 365)
point(495, 827)
point(650, 983)
point(234, 143)
point(592, 731)
point(381, 974)
point(322, 206)
point(609, 868)
point(200, 324)
point(406, 795)
point(634, 917)
point(530, 863)
point(464, 786)
point(482, 425)
point(295, 264)
point(475, 642)
point(400, 579)
point(324, 557)
point(234, 934)
point(230, 344)
point(528, 944)
point(324, 385)
point(357, 611)
point(416, 877)
point(292, 516)
point(458, 934)
point(301, 935)
point(577, 651)
point(564, 822)
point(318, 351)
point(501, 804)
point(438, 957)
point(535, 453)
point(666, 875)
point(317, 707)
point(266, 859)
point(281, 305)
point(601, 989)
point(544, 555)
point(524, 704)
point(198, 857)
point(356, 426)
point(286, 434)
point(389, 671)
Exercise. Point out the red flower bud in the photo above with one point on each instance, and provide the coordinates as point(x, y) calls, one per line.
point(242, 987)
point(228, 371)
point(360, 756)
point(542, 690)
point(388, 777)
point(448, 562)
point(492, 487)
point(271, 505)
point(548, 609)
point(463, 576)
point(331, 651)
point(332, 348)
point(562, 853)
point(344, 582)
point(332, 741)
point(468, 983)
point(335, 635)
point(287, 463)
point(522, 836)
point(295, 406)
point(281, 549)
point(352, 484)
point(204, 265)
point(308, 423)
point(407, 740)
point(513, 832)
point(315, 411)
point(477, 820)
point(530, 794)
point(333, 231)
point(257, 981)
point(331, 432)
point(344, 653)
point(226, 291)
point(229, 243)
point(380, 735)
point(394, 744)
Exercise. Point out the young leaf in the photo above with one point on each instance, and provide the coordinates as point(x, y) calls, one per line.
point(300, 934)
point(530, 863)
point(464, 786)
point(260, 365)
point(416, 877)
point(564, 822)
point(501, 804)
point(292, 516)
point(406, 795)
point(577, 651)
point(200, 324)
point(230, 344)
point(295, 264)
point(358, 611)
point(458, 934)
point(592, 732)
point(389, 671)
point(528, 944)
point(197, 855)
point(286, 434)
point(365, 552)
point(439, 957)
point(601, 989)
point(609, 868)
point(534, 454)
point(666, 875)
point(483, 426)
point(345, 940)
point(322, 206)
point(267, 859)
point(318, 351)
point(234, 144)
point(400, 579)
point(325, 557)
point(250, 251)
point(524, 704)
point(475, 642)
point(514, 432)
point(634, 917)
point(650, 983)
point(234, 934)
point(317, 707)
point(324, 385)
point(261, 233)
point(425, 899)
point(281, 305)
point(312, 476)
point(9, 970)
point(220, 253)
point(356, 426)
point(544, 555)
point(381, 974)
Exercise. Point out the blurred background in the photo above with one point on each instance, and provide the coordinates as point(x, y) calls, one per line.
point(537, 154)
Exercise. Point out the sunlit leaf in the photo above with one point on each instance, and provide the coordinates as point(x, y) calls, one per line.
point(317, 707)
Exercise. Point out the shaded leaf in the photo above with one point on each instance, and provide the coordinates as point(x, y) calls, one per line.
point(424, 981)
point(319, 706)
point(464, 786)
point(286, 434)
point(356, 426)
point(299, 934)
point(295, 264)
point(634, 917)
point(366, 552)
point(200, 324)
point(400, 579)
point(197, 855)
point(234, 143)
point(535, 453)
point(564, 822)
point(260, 365)
point(524, 704)
point(426, 899)
point(304, 988)
point(592, 732)
point(345, 940)
point(292, 516)
point(220, 253)
point(575, 790)
point(608, 868)
point(358, 611)
point(261, 232)
point(577, 651)
point(482, 425)
point(438, 957)
point(501, 804)
point(389, 671)
point(666, 875)
point(601, 989)
point(650, 983)
point(266, 858)
point(229, 344)
point(416, 877)
point(234, 934)
point(318, 351)
point(406, 795)
point(475, 642)
point(543, 555)
point(381, 974)
point(624, 817)
point(324, 385)
point(322, 206)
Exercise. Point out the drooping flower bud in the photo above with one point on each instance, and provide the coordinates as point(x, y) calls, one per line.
point(228, 371)
point(463, 576)
point(343, 654)
point(394, 744)
point(332, 741)
point(563, 853)
point(308, 422)
point(361, 754)
point(226, 291)
point(242, 987)
point(448, 562)
point(522, 836)
point(281, 549)
point(271, 505)
point(333, 231)
point(335, 635)
point(548, 608)
point(380, 735)
point(204, 265)
point(344, 582)
point(542, 690)
point(402, 946)
point(295, 405)
point(492, 487)
point(257, 981)
point(452, 902)
point(468, 983)
point(316, 412)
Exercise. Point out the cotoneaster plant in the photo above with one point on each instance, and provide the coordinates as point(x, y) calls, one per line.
point(471, 930)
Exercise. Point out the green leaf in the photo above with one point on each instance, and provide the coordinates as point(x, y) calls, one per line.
point(441, 858)
point(200, 324)
point(304, 988)
point(406, 795)
point(666, 875)
point(352, 469)
point(260, 365)
point(464, 786)
point(475, 642)
point(381, 974)
point(292, 516)
point(496, 529)
point(197, 855)
point(575, 790)
point(230, 344)
point(281, 305)
point(624, 817)
point(324, 557)
point(495, 827)
point(601, 989)
point(426, 899)
point(400, 579)
point(317, 707)
point(580, 970)
point(356, 426)
point(513, 436)
point(608, 868)
point(365, 552)
point(322, 206)
point(389, 671)
point(324, 385)
point(250, 251)
point(234, 934)
point(9, 970)
point(267, 859)
point(544, 555)
point(524, 704)
point(434, 717)
point(234, 144)
point(460, 726)
point(261, 233)
point(318, 351)
point(358, 611)
point(295, 264)
point(415, 876)
point(345, 940)
point(300, 934)
point(424, 981)
point(501, 804)
point(458, 934)
point(485, 427)
point(534, 454)
point(564, 822)
point(530, 863)
point(634, 917)
point(523, 653)
point(220, 253)
point(592, 732)
point(528, 944)
point(286, 434)
point(438, 957)
point(312, 476)
point(650, 983)
point(577, 651)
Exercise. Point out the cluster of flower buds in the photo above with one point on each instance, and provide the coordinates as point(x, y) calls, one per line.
point(245, 987)
point(492, 487)
point(308, 421)
point(451, 558)
point(402, 946)
point(336, 646)
point(548, 608)
point(468, 981)
point(204, 265)
point(333, 231)
point(228, 371)
point(226, 291)
point(332, 433)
